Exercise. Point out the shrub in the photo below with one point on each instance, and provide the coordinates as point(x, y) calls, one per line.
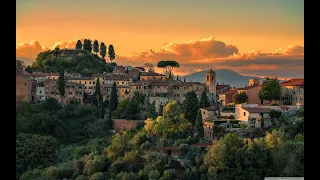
point(82, 177)
point(301, 112)
point(59, 172)
point(36, 174)
point(170, 174)
point(93, 166)
point(97, 176)
point(275, 114)
point(153, 174)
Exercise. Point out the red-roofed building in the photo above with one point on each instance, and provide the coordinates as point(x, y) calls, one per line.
point(221, 88)
point(226, 97)
point(251, 114)
point(170, 150)
point(292, 92)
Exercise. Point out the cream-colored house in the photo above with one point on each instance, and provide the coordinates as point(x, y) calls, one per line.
point(208, 113)
point(251, 113)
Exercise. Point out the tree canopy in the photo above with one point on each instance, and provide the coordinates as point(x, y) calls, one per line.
point(79, 45)
point(239, 98)
point(270, 90)
point(204, 101)
point(191, 107)
point(103, 50)
point(113, 104)
point(168, 66)
point(95, 46)
point(111, 53)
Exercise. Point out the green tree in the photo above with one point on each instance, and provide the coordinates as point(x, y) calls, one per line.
point(132, 111)
point(172, 112)
point(29, 69)
point(152, 113)
point(204, 101)
point(33, 150)
point(79, 45)
point(168, 66)
point(96, 46)
point(101, 110)
point(103, 50)
point(119, 113)
point(89, 45)
point(275, 113)
point(97, 92)
point(270, 90)
point(61, 85)
point(111, 53)
point(199, 125)
point(85, 44)
point(239, 98)
point(191, 107)
point(113, 99)
point(56, 51)
point(52, 104)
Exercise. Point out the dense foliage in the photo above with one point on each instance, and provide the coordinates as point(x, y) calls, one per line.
point(168, 66)
point(270, 90)
point(239, 98)
point(72, 61)
point(72, 142)
point(204, 101)
point(191, 106)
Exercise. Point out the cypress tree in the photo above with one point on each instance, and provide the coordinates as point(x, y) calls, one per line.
point(61, 85)
point(199, 125)
point(113, 104)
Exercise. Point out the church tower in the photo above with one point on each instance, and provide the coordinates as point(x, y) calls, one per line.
point(211, 86)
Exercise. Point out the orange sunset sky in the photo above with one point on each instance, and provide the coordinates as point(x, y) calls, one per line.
point(251, 37)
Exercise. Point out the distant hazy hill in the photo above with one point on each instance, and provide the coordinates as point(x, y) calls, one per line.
point(225, 76)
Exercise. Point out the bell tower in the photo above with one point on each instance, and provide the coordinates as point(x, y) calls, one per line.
point(211, 86)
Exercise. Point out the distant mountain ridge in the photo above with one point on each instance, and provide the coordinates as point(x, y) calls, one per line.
point(224, 76)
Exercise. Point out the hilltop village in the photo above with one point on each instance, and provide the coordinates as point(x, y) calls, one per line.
point(158, 89)
point(132, 123)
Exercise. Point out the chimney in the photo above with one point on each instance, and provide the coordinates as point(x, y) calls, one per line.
point(217, 83)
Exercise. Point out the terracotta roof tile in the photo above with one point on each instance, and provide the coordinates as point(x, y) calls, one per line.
point(256, 110)
point(293, 82)
point(220, 86)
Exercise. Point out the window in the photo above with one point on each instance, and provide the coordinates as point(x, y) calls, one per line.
point(89, 82)
point(204, 112)
point(122, 82)
point(85, 82)
point(102, 82)
point(244, 113)
point(161, 78)
point(94, 82)
point(144, 87)
point(80, 82)
point(207, 78)
point(92, 78)
point(136, 87)
point(80, 87)
point(174, 87)
point(40, 92)
point(90, 93)
point(118, 82)
point(85, 87)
